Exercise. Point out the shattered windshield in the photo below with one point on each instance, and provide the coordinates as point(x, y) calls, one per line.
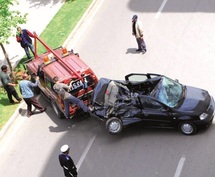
point(169, 92)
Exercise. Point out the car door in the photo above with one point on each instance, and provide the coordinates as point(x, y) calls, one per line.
point(155, 113)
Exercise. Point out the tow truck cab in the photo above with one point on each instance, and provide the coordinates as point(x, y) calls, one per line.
point(70, 70)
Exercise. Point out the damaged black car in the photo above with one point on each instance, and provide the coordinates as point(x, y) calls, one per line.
point(153, 99)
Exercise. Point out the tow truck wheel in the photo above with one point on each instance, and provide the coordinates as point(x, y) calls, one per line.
point(114, 125)
point(57, 110)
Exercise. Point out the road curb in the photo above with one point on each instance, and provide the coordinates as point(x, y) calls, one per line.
point(80, 24)
point(11, 120)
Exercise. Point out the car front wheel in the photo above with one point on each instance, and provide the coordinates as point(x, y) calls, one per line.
point(187, 128)
point(114, 125)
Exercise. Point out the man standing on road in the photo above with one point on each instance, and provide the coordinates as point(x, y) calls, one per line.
point(137, 31)
point(23, 36)
point(8, 85)
point(67, 163)
point(28, 95)
point(67, 97)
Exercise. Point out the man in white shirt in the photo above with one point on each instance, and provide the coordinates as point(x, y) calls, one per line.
point(137, 31)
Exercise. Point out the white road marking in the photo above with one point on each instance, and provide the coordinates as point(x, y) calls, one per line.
point(85, 153)
point(180, 166)
point(160, 9)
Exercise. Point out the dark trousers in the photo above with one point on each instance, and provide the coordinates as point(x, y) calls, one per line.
point(141, 43)
point(11, 92)
point(75, 101)
point(26, 48)
point(32, 101)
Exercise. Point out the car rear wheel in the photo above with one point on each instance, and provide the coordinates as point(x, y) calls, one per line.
point(187, 128)
point(114, 125)
point(57, 110)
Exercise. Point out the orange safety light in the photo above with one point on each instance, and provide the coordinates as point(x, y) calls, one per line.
point(64, 51)
point(46, 60)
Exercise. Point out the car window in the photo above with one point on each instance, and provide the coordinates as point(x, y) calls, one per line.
point(137, 78)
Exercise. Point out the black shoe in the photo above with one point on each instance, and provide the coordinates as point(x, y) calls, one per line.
point(144, 51)
point(12, 101)
point(139, 50)
point(43, 110)
point(30, 114)
point(19, 100)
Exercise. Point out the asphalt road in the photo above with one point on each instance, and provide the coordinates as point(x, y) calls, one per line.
point(180, 41)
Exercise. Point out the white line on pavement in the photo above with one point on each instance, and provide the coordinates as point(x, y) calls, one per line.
point(180, 166)
point(85, 153)
point(160, 9)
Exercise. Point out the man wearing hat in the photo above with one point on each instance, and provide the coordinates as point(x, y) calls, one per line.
point(67, 163)
point(28, 95)
point(137, 31)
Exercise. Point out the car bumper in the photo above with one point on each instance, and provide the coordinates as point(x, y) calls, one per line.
point(211, 112)
point(97, 118)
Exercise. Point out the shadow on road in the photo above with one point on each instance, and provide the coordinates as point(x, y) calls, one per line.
point(172, 6)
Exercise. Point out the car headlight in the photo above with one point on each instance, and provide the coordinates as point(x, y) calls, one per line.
point(203, 116)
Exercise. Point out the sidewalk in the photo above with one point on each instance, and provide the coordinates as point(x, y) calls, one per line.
point(39, 15)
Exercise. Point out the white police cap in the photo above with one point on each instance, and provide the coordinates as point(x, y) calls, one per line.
point(64, 148)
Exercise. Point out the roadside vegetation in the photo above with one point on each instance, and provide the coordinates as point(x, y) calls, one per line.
point(54, 35)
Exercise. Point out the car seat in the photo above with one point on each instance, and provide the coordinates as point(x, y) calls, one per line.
point(111, 94)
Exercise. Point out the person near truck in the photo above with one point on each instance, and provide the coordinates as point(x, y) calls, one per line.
point(23, 36)
point(28, 94)
point(8, 85)
point(67, 98)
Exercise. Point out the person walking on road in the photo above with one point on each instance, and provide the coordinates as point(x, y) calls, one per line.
point(23, 36)
point(67, 97)
point(8, 85)
point(28, 95)
point(67, 163)
point(137, 31)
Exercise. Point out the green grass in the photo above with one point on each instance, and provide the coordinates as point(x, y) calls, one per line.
point(6, 108)
point(54, 35)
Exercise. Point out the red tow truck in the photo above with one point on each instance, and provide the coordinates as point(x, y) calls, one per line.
point(70, 70)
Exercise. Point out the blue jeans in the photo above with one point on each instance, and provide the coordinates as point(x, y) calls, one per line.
point(75, 101)
point(29, 45)
point(141, 43)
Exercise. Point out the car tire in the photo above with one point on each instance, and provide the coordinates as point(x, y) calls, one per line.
point(114, 125)
point(187, 128)
point(57, 110)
